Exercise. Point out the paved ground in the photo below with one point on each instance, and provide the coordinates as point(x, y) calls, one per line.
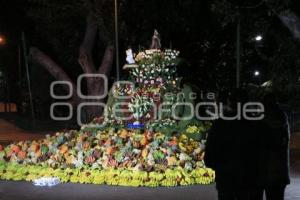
point(9, 132)
point(10, 190)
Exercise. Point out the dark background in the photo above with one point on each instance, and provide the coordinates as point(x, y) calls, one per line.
point(203, 30)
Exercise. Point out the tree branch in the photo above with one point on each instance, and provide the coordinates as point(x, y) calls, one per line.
point(54, 69)
point(107, 61)
point(292, 22)
point(86, 48)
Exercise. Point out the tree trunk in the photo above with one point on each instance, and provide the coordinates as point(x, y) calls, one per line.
point(95, 85)
point(55, 70)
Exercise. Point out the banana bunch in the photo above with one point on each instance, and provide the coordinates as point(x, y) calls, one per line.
point(125, 177)
point(74, 178)
point(99, 177)
point(172, 174)
point(85, 177)
point(169, 182)
point(139, 175)
point(63, 175)
point(112, 176)
point(156, 176)
point(151, 183)
point(203, 175)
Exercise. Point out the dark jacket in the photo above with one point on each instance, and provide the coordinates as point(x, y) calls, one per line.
point(231, 151)
point(274, 148)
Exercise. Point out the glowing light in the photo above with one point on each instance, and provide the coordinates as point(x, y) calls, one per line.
point(258, 38)
point(2, 40)
point(256, 73)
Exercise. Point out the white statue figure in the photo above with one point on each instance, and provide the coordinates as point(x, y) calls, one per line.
point(129, 56)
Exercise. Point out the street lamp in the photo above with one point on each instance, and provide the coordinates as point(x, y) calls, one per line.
point(256, 73)
point(2, 40)
point(258, 38)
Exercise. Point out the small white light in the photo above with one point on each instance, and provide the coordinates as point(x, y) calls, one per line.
point(256, 73)
point(258, 38)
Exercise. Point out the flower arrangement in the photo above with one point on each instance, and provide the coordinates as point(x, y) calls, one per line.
point(154, 67)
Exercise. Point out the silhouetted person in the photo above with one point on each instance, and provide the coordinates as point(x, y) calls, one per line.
point(273, 157)
point(230, 148)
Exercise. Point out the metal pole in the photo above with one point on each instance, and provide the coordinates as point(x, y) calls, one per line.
point(117, 41)
point(238, 51)
point(28, 76)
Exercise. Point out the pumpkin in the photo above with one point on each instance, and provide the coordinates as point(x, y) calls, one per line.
point(15, 148)
point(63, 149)
point(22, 155)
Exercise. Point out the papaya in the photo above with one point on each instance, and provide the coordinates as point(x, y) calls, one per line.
point(15, 148)
point(22, 155)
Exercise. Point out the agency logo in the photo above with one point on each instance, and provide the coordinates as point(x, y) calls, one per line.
point(212, 110)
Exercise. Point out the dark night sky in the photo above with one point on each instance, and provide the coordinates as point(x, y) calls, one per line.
point(198, 24)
